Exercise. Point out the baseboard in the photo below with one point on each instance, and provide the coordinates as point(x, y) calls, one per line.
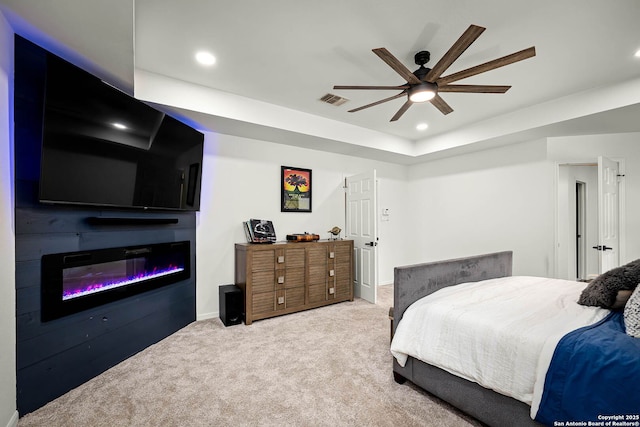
point(13, 421)
point(205, 316)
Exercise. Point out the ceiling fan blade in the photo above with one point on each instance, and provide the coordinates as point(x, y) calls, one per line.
point(397, 66)
point(474, 88)
point(465, 40)
point(373, 87)
point(401, 111)
point(373, 104)
point(488, 66)
point(439, 103)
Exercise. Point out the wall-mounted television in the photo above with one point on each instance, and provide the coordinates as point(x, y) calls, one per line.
point(102, 147)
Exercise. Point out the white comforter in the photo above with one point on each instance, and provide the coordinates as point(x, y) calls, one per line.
point(499, 333)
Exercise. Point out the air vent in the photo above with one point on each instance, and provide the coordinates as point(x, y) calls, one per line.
point(333, 99)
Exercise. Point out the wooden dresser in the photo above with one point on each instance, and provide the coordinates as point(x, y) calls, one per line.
point(283, 278)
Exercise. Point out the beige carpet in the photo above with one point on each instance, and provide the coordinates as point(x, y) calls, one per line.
point(325, 367)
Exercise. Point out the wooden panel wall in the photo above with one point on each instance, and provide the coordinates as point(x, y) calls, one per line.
point(56, 356)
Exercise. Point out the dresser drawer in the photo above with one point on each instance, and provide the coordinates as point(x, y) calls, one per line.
point(263, 260)
point(263, 303)
point(262, 281)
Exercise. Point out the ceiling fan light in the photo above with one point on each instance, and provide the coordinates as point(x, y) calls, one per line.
point(423, 92)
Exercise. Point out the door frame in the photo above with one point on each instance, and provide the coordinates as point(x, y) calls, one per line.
point(373, 270)
point(621, 208)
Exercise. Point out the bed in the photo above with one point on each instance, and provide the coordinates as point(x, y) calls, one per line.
point(412, 283)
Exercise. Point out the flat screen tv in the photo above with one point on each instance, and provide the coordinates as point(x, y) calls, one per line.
point(102, 147)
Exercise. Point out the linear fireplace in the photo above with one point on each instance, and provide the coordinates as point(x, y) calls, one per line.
point(76, 281)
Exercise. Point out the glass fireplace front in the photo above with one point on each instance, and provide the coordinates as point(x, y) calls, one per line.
point(76, 281)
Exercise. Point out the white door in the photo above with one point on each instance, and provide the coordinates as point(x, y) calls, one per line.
point(608, 205)
point(362, 228)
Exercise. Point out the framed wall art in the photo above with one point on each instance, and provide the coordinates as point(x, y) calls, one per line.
point(295, 189)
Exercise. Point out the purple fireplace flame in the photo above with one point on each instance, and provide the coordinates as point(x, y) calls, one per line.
point(90, 279)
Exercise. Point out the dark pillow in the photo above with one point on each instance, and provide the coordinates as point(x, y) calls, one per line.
point(602, 291)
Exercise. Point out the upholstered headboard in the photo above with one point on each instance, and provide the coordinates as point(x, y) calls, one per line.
point(413, 282)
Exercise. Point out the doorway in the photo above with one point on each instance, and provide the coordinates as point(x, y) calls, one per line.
point(577, 221)
point(585, 219)
point(581, 230)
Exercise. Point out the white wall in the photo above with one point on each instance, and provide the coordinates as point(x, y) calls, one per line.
point(492, 200)
point(506, 199)
point(8, 412)
point(241, 181)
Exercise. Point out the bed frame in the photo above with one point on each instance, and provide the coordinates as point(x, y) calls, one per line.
point(416, 281)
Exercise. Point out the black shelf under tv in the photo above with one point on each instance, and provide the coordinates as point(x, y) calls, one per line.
point(110, 220)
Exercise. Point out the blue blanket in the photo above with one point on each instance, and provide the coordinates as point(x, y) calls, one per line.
point(594, 374)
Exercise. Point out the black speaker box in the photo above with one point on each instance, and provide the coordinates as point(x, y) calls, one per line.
point(231, 305)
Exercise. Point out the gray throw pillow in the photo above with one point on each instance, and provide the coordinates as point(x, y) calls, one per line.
point(602, 291)
point(632, 314)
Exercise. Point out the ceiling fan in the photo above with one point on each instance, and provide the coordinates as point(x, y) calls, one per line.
point(425, 84)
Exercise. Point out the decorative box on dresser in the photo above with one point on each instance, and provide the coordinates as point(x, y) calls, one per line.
point(286, 277)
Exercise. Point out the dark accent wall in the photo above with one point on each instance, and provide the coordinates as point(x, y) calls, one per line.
point(56, 356)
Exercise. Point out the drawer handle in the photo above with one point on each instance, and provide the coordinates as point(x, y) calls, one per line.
point(280, 279)
point(281, 259)
point(331, 273)
point(332, 255)
point(280, 300)
point(332, 291)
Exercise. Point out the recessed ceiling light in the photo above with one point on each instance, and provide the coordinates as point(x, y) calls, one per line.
point(637, 53)
point(422, 126)
point(119, 126)
point(205, 58)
